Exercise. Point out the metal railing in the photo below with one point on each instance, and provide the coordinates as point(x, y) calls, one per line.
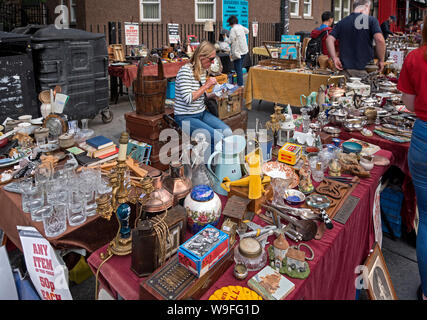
point(16, 15)
point(155, 35)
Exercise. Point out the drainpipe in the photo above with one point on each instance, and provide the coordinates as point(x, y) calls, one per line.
point(284, 15)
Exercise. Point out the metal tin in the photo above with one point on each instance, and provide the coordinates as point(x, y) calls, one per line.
point(250, 248)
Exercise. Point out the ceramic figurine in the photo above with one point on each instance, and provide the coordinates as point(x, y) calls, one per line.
point(203, 207)
point(281, 247)
point(305, 185)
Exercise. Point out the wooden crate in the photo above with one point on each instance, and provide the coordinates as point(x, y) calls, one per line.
point(116, 53)
point(231, 105)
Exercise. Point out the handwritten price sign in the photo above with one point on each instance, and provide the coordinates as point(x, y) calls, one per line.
point(46, 272)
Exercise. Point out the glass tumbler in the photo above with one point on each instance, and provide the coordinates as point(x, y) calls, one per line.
point(26, 186)
point(36, 202)
point(54, 219)
point(76, 207)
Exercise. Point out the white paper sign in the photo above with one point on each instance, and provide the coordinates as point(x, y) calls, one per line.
point(255, 29)
point(376, 215)
point(132, 33)
point(397, 57)
point(49, 276)
point(173, 32)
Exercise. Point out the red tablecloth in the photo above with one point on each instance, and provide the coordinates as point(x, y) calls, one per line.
point(400, 153)
point(332, 275)
point(128, 73)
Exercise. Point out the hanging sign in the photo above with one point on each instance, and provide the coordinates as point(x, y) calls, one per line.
point(173, 32)
point(255, 29)
point(47, 273)
point(132, 33)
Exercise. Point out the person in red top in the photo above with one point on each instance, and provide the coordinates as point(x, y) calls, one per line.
point(413, 85)
point(327, 23)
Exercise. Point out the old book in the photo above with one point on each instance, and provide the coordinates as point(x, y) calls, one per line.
point(271, 285)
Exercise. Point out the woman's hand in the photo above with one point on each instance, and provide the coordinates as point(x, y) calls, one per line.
point(210, 82)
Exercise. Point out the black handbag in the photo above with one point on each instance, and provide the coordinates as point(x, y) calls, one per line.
point(211, 104)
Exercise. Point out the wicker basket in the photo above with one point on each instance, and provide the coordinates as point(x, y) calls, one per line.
point(44, 96)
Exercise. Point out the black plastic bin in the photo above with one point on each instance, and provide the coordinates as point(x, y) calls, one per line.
point(18, 95)
point(77, 61)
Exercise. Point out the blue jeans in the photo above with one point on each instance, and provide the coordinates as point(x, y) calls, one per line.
point(238, 67)
point(206, 121)
point(417, 159)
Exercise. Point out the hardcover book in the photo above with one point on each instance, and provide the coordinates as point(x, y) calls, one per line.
point(99, 142)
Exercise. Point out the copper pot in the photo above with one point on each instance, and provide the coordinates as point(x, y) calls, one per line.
point(160, 199)
point(176, 182)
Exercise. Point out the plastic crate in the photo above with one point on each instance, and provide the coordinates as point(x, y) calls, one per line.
point(391, 203)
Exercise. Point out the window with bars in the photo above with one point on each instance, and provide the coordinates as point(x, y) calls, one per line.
point(342, 9)
point(150, 10)
point(294, 7)
point(205, 10)
point(308, 8)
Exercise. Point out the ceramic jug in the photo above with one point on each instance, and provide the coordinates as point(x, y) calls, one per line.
point(310, 100)
point(228, 164)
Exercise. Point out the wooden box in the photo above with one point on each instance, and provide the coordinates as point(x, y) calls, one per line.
point(175, 282)
point(145, 244)
point(116, 53)
point(235, 209)
point(146, 127)
point(254, 205)
point(230, 105)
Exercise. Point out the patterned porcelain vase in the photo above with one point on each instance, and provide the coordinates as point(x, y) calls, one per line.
point(203, 207)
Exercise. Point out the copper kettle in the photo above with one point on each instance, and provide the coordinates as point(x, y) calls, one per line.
point(335, 91)
point(177, 183)
point(160, 199)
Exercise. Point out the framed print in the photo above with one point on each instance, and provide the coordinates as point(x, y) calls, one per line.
point(379, 286)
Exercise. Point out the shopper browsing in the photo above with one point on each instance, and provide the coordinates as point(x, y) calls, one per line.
point(190, 89)
point(324, 30)
point(413, 85)
point(356, 34)
point(385, 27)
point(239, 46)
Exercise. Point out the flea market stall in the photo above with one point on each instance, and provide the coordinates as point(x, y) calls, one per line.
point(289, 210)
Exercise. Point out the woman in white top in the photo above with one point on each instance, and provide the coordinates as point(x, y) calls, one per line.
point(190, 87)
point(239, 46)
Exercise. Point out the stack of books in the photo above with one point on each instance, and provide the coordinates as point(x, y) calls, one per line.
point(97, 150)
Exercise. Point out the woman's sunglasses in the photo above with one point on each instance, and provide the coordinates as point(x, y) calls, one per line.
point(211, 59)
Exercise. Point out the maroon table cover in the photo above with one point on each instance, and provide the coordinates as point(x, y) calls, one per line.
point(400, 153)
point(332, 275)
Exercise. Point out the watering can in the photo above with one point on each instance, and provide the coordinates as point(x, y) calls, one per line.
point(310, 100)
point(228, 164)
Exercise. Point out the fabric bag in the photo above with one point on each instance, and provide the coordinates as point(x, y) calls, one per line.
point(211, 104)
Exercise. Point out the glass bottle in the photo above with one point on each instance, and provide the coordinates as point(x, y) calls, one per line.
point(318, 174)
point(305, 121)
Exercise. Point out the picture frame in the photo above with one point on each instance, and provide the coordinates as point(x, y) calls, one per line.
point(380, 286)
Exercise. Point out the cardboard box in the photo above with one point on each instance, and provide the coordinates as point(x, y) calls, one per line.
point(290, 153)
point(198, 263)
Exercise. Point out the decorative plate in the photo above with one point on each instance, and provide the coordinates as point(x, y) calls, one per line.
point(234, 293)
point(275, 169)
point(387, 136)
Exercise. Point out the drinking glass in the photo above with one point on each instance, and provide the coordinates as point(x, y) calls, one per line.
point(76, 206)
point(54, 219)
point(69, 169)
point(90, 197)
point(26, 186)
point(35, 203)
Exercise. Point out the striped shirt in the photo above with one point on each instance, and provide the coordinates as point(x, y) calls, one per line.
point(185, 85)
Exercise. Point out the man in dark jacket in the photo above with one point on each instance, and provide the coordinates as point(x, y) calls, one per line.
point(385, 27)
point(327, 22)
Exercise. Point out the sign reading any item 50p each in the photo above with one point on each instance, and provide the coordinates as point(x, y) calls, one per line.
point(48, 275)
point(238, 8)
point(289, 50)
point(132, 33)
